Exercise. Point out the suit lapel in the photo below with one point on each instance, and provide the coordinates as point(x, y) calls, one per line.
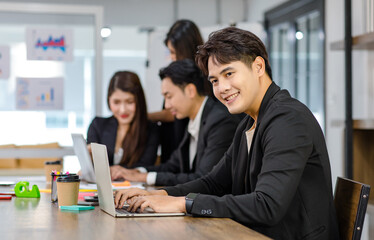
point(241, 180)
point(185, 153)
point(110, 136)
point(203, 124)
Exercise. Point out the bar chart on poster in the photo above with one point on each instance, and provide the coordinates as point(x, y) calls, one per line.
point(39, 94)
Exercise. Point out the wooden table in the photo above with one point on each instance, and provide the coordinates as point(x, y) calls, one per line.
point(32, 218)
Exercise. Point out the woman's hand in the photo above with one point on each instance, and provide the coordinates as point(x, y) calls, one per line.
point(119, 172)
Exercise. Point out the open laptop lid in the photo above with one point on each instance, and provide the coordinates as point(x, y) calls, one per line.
point(104, 184)
point(80, 149)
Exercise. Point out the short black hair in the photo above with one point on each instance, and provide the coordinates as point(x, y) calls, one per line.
point(232, 44)
point(183, 72)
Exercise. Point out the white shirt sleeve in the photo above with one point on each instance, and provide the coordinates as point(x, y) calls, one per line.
point(151, 178)
point(141, 169)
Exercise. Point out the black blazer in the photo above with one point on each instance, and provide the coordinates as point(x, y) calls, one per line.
point(217, 129)
point(282, 188)
point(104, 131)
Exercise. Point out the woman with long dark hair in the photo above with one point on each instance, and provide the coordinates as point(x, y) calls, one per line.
point(130, 138)
point(182, 40)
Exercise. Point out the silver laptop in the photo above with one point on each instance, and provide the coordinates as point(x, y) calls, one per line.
point(104, 187)
point(80, 149)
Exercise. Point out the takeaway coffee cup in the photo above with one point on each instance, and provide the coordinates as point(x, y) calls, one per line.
point(68, 189)
point(54, 177)
point(51, 166)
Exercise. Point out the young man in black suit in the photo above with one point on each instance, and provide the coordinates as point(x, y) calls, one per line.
point(209, 133)
point(275, 178)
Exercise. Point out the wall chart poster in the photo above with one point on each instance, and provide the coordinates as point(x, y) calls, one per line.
point(4, 62)
point(39, 94)
point(49, 44)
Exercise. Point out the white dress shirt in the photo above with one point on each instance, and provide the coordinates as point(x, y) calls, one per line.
point(118, 156)
point(249, 136)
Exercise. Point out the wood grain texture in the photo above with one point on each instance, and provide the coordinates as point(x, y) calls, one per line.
point(364, 41)
point(363, 157)
point(23, 218)
point(350, 204)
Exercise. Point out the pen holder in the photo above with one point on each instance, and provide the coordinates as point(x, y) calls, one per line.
point(54, 177)
point(51, 166)
point(68, 190)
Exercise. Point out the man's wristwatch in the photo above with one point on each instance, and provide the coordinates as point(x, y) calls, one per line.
point(189, 201)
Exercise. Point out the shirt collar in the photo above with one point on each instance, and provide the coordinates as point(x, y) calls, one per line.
point(194, 125)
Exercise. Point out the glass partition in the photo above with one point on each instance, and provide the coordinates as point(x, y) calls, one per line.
point(36, 126)
point(296, 51)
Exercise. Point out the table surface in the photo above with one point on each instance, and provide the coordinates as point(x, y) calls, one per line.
point(38, 218)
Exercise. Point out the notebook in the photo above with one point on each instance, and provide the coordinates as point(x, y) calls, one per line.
point(104, 187)
point(80, 149)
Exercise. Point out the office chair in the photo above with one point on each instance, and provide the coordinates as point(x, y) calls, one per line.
point(350, 199)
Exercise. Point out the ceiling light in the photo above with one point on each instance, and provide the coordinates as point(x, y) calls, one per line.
point(299, 35)
point(106, 32)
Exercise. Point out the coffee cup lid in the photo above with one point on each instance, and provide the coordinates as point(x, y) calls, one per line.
point(58, 162)
point(69, 178)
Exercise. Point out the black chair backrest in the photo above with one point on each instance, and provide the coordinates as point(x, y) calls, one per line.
point(350, 199)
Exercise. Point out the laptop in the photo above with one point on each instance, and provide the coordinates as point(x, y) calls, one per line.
point(80, 149)
point(104, 187)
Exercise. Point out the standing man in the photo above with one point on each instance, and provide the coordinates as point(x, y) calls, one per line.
point(275, 178)
point(209, 133)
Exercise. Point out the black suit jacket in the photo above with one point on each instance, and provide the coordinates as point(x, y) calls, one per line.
point(104, 131)
point(282, 188)
point(217, 129)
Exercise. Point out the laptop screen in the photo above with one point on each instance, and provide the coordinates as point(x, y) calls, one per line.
point(80, 149)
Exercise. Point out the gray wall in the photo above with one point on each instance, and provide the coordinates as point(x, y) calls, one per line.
point(165, 12)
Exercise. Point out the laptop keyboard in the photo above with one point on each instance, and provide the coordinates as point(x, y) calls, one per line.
point(123, 211)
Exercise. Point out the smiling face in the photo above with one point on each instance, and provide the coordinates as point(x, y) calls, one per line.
point(238, 86)
point(177, 101)
point(123, 106)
